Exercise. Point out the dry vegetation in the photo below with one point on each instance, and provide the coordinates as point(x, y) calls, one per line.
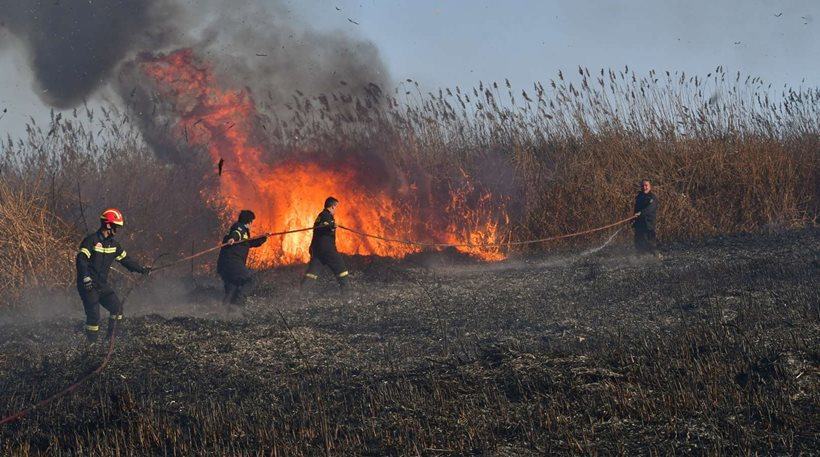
point(727, 154)
point(80, 164)
point(34, 250)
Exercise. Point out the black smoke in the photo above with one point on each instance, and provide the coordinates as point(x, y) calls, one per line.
point(74, 46)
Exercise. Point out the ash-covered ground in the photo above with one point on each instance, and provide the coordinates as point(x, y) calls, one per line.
point(712, 350)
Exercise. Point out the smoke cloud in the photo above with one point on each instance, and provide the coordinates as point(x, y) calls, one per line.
point(274, 53)
point(77, 47)
point(74, 47)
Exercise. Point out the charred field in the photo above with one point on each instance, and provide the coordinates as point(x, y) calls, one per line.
point(711, 350)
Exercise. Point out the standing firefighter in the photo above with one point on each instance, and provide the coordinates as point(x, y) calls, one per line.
point(646, 208)
point(323, 246)
point(97, 252)
point(232, 258)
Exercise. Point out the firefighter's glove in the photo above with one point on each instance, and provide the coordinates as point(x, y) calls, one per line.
point(146, 270)
point(88, 284)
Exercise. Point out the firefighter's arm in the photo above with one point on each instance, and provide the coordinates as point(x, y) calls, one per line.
point(324, 224)
point(129, 263)
point(83, 259)
point(258, 242)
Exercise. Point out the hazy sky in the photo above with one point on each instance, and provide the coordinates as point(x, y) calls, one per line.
point(448, 43)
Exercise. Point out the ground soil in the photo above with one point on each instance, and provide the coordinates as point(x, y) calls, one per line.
point(711, 350)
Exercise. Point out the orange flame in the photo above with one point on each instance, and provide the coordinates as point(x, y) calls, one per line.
point(288, 195)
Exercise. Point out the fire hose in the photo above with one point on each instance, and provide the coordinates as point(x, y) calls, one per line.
point(76, 385)
point(70, 388)
point(407, 242)
point(220, 246)
point(487, 245)
point(73, 387)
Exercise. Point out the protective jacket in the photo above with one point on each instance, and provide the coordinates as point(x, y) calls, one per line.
point(96, 255)
point(647, 205)
point(232, 259)
point(323, 249)
point(324, 234)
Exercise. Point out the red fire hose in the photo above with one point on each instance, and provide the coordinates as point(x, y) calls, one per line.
point(107, 358)
point(201, 253)
point(489, 245)
point(70, 388)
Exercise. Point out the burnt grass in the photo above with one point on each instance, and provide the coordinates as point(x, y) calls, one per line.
point(712, 350)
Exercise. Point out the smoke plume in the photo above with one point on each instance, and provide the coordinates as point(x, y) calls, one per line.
point(274, 53)
point(74, 47)
point(77, 47)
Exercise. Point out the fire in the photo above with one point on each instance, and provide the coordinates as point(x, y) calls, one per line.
point(289, 194)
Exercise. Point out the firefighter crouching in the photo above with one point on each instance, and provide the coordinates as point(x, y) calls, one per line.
point(97, 252)
point(323, 247)
point(232, 258)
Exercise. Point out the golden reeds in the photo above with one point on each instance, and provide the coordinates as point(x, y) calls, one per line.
point(34, 248)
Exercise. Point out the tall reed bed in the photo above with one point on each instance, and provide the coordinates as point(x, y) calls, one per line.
point(726, 152)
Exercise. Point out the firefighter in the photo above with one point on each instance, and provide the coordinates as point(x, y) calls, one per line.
point(232, 258)
point(323, 247)
point(646, 210)
point(97, 252)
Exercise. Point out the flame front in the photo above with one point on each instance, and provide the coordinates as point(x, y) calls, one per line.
point(288, 195)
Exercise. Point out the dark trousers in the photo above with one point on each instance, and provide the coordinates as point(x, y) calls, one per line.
point(645, 241)
point(331, 260)
point(236, 287)
point(104, 295)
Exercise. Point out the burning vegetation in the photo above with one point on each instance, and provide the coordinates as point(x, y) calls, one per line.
point(288, 190)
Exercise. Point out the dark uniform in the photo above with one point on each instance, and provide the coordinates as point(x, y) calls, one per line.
point(323, 249)
point(644, 225)
point(232, 259)
point(96, 255)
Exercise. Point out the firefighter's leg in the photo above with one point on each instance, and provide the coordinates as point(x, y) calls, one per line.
point(230, 291)
point(652, 243)
point(312, 272)
point(336, 264)
point(640, 240)
point(110, 301)
point(244, 286)
point(91, 304)
point(229, 286)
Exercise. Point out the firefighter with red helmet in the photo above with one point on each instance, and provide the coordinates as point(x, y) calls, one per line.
point(97, 252)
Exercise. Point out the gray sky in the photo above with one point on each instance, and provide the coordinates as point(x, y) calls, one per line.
point(448, 43)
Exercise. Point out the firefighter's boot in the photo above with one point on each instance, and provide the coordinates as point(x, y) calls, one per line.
point(344, 287)
point(92, 333)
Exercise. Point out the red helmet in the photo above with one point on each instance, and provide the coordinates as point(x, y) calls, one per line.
point(112, 216)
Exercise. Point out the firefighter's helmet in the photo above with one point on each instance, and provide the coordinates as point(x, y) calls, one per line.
point(112, 216)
